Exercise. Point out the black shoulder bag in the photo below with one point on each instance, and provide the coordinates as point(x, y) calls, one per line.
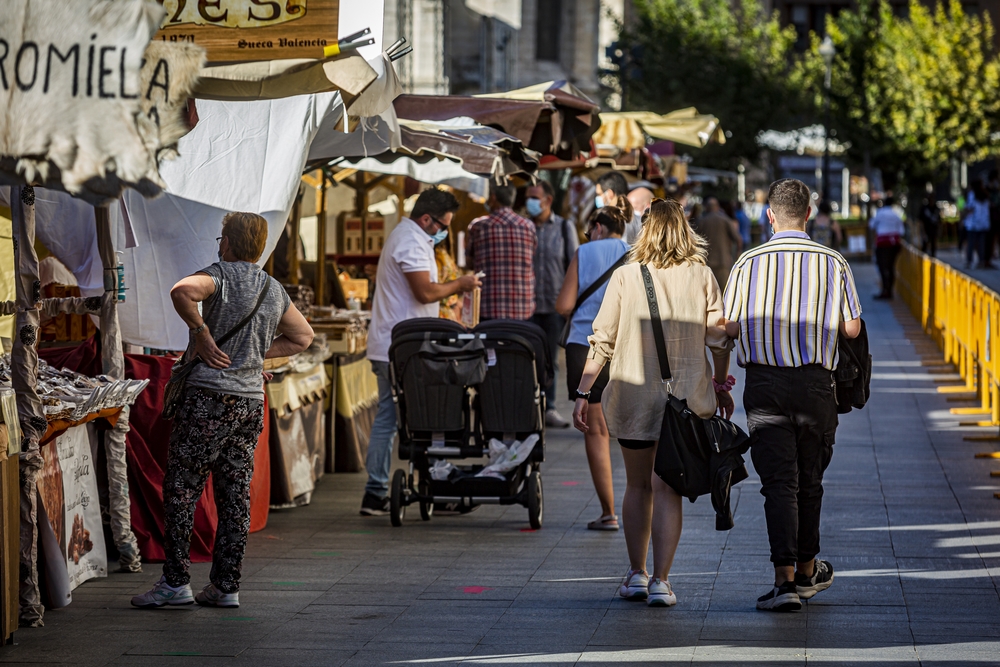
point(589, 292)
point(687, 442)
point(174, 391)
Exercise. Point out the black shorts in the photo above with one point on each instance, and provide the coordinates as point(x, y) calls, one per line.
point(576, 359)
point(637, 444)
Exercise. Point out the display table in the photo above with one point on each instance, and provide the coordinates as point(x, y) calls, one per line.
point(298, 434)
point(147, 455)
point(356, 404)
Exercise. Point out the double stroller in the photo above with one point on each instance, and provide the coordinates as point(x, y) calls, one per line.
point(464, 395)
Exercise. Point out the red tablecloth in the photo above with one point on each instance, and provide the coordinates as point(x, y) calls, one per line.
point(147, 454)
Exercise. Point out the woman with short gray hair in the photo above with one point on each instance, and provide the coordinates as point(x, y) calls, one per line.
point(220, 414)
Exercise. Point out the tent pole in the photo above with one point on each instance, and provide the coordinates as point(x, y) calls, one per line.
point(321, 242)
point(361, 202)
point(293, 239)
point(113, 363)
point(24, 372)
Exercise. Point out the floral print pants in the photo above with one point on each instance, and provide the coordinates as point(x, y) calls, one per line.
point(212, 433)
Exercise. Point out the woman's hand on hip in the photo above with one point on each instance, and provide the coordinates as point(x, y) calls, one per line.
point(209, 352)
point(580, 415)
point(726, 404)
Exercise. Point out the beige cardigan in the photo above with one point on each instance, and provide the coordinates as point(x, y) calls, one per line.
point(691, 305)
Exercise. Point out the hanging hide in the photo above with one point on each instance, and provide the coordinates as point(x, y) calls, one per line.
point(70, 89)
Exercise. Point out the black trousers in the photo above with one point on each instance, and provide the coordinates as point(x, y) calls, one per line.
point(552, 325)
point(792, 415)
point(929, 245)
point(886, 259)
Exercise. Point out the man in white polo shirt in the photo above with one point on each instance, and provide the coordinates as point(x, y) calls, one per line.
point(406, 287)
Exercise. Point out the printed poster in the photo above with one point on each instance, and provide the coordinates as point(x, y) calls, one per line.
point(68, 490)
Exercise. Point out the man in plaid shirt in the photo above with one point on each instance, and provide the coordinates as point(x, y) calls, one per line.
point(502, 246)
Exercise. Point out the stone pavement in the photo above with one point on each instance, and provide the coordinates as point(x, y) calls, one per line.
point(910, 524)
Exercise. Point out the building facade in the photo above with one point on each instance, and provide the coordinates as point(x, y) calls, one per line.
point(466, 47)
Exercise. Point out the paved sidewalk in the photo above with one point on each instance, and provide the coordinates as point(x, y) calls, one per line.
point(910, 524)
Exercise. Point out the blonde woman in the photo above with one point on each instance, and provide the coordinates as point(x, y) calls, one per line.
point(690, 304)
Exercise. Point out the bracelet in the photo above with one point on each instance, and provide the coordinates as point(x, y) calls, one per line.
point(725, 386)
point(585, 395)
point(198, 330)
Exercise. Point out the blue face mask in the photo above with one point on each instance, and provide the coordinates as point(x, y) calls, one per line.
point(440, 236)
point(599, 201)
point(533, 206)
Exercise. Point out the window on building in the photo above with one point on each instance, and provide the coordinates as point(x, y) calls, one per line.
point(547, 26)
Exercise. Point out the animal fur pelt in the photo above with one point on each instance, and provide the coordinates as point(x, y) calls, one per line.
point(169, 74)
point(72, 113)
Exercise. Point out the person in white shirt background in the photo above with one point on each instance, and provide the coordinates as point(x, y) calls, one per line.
point(889, 230)
point(406, 287)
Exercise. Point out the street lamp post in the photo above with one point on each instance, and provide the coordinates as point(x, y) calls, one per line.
point(827, 50)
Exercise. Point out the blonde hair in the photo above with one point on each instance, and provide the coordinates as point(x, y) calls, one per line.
point(666, 238)
point(247, 234)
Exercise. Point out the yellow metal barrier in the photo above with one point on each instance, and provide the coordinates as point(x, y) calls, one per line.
point(962, 316)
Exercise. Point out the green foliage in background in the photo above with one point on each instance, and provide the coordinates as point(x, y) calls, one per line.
point(910, 93)
point(721, 56)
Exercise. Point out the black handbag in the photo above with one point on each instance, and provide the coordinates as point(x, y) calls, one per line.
point(589, 292)
point(460, 365)
point(687, 442)
point(173, 393)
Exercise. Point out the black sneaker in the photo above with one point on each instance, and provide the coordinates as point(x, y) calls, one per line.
point(372, 505)
point(781, 598)
point(820, 581)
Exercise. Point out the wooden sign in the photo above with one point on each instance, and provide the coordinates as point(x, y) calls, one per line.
point(242, 30)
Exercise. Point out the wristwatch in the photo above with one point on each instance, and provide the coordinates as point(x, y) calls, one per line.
point(198, 330)
point(585, 395)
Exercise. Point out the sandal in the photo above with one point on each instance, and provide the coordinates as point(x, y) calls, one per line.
point(606, 522)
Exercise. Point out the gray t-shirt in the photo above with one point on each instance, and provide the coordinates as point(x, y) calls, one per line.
point(237, 288)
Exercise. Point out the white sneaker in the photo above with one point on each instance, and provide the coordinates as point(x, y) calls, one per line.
point(660, 594)
point(636, 585)
point(554, 419)
point(210, 596)
point(163, 593)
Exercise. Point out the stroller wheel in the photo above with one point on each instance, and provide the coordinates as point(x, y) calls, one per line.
point(397, 509)
point(426, 508)
point(535, 501)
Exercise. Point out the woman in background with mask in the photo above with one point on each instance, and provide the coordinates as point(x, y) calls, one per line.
point(592, 261)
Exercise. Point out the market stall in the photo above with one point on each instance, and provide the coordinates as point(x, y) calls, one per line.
point(296, 396)
point(112, 154)
point(147, 454)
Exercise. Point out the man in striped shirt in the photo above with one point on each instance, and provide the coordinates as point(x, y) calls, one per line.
point(787, 301)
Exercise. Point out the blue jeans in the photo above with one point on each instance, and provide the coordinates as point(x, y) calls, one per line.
point(378, 461)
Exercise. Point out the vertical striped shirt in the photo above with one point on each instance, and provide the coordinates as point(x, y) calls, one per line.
point(790, 296)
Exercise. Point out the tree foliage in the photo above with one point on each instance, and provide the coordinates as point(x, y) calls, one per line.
point(723, 57)
point(910, 93)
